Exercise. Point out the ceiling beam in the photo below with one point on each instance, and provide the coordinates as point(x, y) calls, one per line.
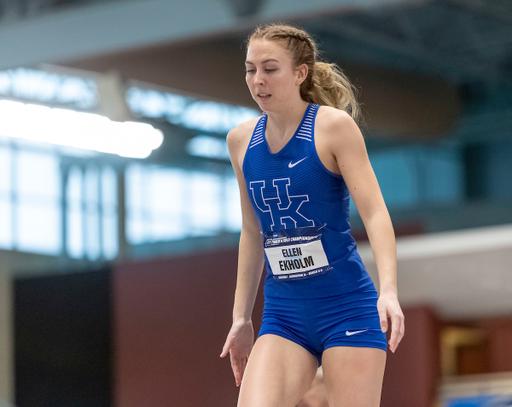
point(487, 9)
point(103, 28)
point(412, 50)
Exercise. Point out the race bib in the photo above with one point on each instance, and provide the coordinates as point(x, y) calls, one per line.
point(295, 253)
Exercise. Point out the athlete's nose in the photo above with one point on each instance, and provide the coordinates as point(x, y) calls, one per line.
point(257, 78)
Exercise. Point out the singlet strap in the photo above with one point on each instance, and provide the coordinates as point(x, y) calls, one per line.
point(305, 132)
point(257, 135)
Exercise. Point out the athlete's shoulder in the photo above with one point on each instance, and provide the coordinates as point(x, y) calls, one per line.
point(331, 117)
point(337, 125)
point(242, 133)
point(238, 140)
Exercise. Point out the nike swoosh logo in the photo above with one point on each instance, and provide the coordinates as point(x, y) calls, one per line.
point(290, 165)
point(355, 332)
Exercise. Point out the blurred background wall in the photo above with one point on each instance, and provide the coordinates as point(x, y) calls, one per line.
point(118, 242)
point(6, 362)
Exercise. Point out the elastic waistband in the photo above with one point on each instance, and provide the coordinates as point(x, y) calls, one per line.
point(363, 290)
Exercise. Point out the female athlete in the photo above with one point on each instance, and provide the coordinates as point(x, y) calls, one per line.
point(297, 166)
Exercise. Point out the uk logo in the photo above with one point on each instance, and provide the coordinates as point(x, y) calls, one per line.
point(283, 209)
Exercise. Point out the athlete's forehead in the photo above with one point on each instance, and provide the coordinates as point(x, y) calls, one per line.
point(261, 51)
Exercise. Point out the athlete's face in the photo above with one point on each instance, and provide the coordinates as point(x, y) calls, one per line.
point(270, 74)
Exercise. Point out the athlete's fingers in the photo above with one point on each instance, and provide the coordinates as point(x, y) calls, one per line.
point(394, 333)
point(397, 329)
point(236, 365)
point(401, 331)
point(244, 365)
point(226, 347)
point(383, 316)
point(392, 340)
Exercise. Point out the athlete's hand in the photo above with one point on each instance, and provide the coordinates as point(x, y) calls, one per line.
point(239, 345)
point(389, 307)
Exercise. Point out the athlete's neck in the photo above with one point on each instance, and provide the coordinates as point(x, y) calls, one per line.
point(281, 125)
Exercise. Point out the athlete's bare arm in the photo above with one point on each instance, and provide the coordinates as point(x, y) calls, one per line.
point(340, 145)
point(250, 261)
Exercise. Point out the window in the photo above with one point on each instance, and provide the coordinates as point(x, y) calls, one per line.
point(92, 213)
point(419, 175)
point(5, 198)
point(37, 220)
point(74, 232)
point(170, 203)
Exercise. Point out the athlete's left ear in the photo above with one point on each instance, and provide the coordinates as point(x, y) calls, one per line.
point(302, 74)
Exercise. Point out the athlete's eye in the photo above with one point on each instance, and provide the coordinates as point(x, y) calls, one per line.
point(270, 70)
point(249, 70)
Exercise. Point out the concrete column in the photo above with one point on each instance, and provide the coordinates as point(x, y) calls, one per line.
point(64, 181)
point(6, 337)
point(124, 246)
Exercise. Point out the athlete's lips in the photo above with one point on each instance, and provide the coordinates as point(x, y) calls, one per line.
point(264, 95)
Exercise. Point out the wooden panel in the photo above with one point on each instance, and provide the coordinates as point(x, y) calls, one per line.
point(413, 371)
point(472, 360)
point(499, 332)
point(171, 319)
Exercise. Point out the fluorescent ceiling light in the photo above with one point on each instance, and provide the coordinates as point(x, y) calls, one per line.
point(76, 129)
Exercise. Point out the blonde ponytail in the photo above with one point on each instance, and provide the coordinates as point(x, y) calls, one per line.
point(326, 84)
point(329, 86)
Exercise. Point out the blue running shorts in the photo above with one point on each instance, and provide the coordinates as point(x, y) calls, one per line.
point(317, 324)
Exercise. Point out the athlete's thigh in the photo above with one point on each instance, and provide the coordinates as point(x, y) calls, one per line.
point(353, 376)
point(278, 373)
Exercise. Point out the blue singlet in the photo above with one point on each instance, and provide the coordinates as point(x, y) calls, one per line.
point(303, 212)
